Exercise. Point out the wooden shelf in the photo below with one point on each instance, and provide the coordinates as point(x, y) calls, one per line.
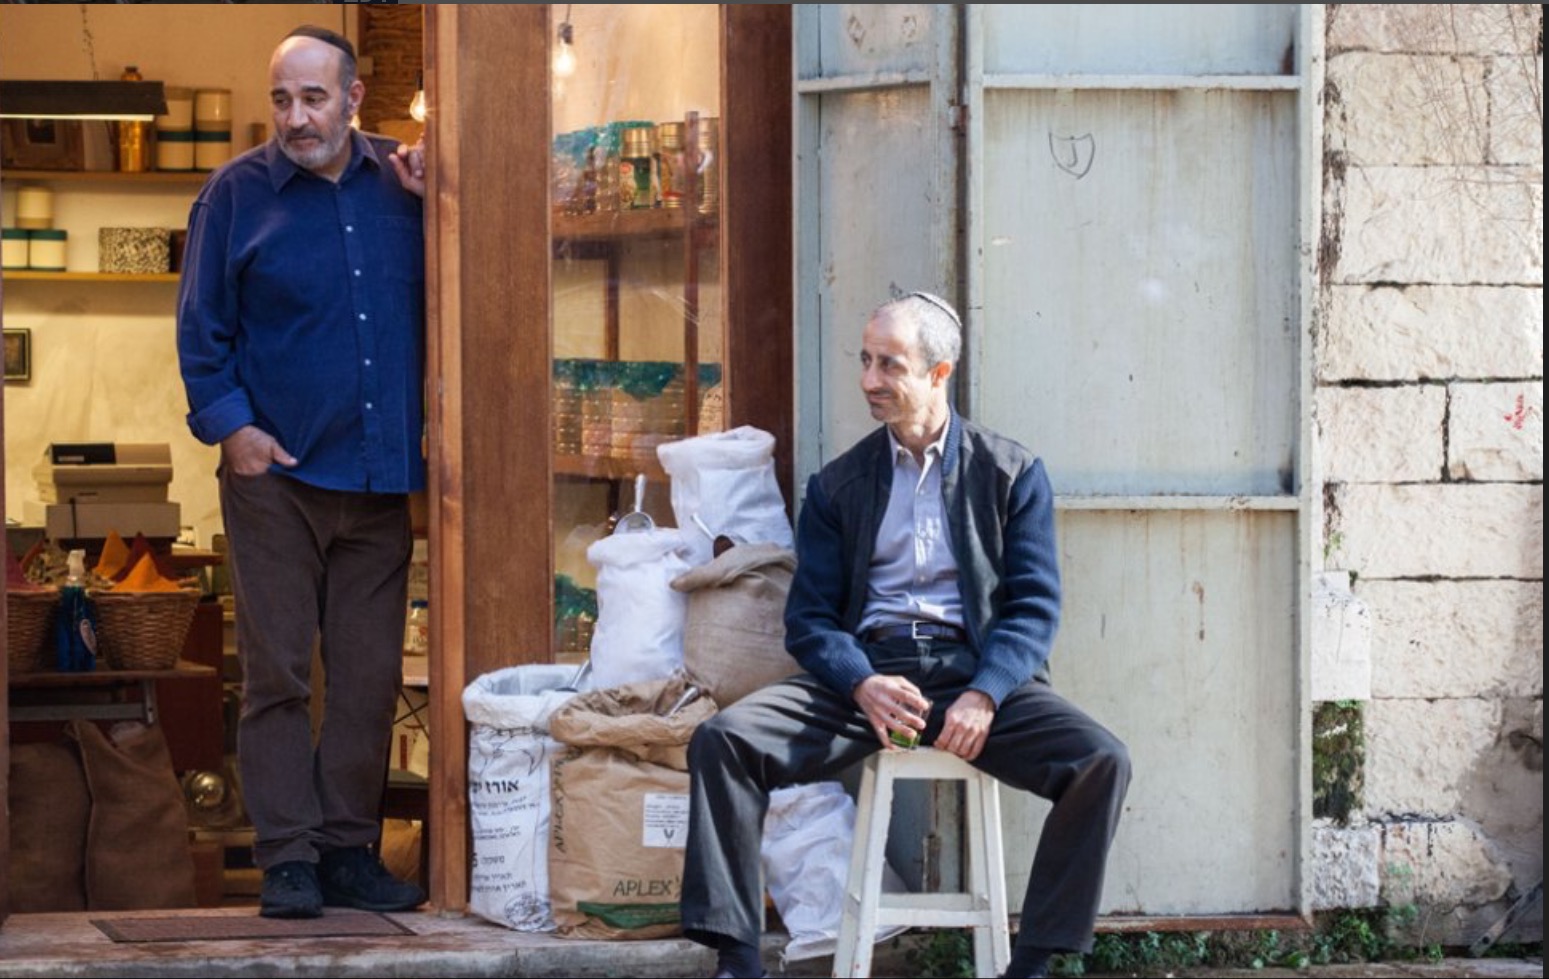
point(27, 275)
point(105, 677)
point(656, 222)
point(608, 467)
point(103, 694)
point(110, 176)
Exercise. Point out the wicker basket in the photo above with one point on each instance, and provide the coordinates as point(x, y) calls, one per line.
point(143, 630)
point(29, 621)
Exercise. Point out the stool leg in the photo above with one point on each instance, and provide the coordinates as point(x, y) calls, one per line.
point(987, 876)
point(863, 887)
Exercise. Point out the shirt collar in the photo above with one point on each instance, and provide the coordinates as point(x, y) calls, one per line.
point(937, 448)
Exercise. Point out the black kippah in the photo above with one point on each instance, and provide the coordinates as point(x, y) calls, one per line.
point(327, 37)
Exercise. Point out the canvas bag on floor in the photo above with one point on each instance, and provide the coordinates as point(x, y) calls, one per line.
point(724, 483)
point(620, 809)
point(639, 631)
point(510, 754)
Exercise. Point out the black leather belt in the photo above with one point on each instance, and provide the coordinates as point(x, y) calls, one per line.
point(916, 630)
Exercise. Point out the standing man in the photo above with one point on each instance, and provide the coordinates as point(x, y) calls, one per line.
point(301, 321)
point(925, 600)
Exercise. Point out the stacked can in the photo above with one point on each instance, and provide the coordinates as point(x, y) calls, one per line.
point(637, 166)
point(681, 172)
point(175, 131)
point(212, 127)
point(34, 243)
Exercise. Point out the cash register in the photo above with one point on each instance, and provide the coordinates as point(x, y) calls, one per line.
point(87, 490)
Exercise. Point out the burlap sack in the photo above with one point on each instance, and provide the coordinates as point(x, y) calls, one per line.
point(137, 853)
point(50, 809)
point(734, 633)
point(620, 809)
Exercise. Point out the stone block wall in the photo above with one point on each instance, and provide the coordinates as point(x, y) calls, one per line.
point(1428, 373)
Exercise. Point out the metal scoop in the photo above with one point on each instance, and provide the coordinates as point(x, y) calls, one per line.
point(637, 519)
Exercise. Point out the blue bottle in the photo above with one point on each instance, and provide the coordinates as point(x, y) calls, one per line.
point(75, 624)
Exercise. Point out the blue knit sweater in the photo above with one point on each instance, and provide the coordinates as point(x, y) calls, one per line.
point(1000, 512)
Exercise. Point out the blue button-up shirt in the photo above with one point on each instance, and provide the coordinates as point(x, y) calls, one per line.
point(302, 311)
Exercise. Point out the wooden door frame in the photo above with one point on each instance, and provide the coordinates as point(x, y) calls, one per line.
point(489, 330)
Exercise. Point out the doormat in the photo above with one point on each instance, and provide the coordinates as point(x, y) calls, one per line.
point(217, 928)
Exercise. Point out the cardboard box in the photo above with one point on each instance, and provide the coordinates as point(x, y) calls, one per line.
point(70, 521)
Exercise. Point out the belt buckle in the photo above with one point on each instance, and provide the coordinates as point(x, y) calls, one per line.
point(914, 631)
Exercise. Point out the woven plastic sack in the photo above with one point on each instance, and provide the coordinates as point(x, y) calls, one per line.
point(808, 832)
point(510, 755)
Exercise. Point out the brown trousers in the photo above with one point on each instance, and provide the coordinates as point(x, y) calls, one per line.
point(308, 564)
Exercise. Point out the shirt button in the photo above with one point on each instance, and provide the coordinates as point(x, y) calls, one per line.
point(349, 229)
point(368, 406)
point(357, 273)
point(368, 361)
point(362, 316)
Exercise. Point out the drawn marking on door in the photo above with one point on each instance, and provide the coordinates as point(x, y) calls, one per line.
point(1073, 154)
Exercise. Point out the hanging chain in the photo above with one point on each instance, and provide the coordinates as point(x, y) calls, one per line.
point(88, 42)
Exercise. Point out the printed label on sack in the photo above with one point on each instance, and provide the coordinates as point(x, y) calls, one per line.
point(665, 823)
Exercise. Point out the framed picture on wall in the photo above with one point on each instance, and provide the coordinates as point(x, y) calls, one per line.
point(42, 144)
point(18, 355)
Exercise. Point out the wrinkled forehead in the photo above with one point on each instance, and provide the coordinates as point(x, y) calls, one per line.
point(891, 331)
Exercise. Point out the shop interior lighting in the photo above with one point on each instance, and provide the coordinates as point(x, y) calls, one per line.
point(564, 48)
point(112, 101)
point(417, 104)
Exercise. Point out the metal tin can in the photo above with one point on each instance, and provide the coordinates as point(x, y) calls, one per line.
point(46, 249)
point(709, 164)
point(16, 244)
point(211, 149)
point(637, 167)
point(671, 176)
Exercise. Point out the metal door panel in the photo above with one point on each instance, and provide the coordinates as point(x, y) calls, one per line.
point(1175, 634)
point(867, 195)
point(1114, 196)
point(1140, 333)
point(1139, 38)
point(865, 38)
point(874, 195)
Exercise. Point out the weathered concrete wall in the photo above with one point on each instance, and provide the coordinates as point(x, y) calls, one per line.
point(1429, 411)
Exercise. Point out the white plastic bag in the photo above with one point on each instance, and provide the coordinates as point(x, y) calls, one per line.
point(640, 618)
point(509, 757)
point(808, 833)
point(724, 483)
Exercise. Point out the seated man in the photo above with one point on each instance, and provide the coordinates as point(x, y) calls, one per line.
point(925, 601)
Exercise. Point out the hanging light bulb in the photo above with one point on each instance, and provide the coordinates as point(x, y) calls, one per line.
point(417, 104)
point(564, 49)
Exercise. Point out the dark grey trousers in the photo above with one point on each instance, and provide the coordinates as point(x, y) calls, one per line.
point(308, 562)
point(800, 731)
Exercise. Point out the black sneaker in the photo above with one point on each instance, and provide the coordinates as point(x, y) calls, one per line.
point(354, 877)
point(291, 890)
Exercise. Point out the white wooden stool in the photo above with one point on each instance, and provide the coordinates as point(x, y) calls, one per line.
point(981, 907)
